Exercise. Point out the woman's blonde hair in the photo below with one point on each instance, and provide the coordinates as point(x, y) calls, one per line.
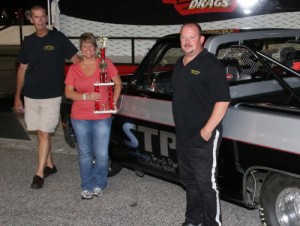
point(88, 37)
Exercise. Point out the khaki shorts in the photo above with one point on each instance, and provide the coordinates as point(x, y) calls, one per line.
point(42, 114)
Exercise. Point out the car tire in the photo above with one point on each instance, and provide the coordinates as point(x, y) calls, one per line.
point(280, 201)
point(114, 168)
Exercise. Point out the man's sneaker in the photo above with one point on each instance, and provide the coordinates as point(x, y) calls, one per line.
point(37, 182)
point(97, 191)
point(49, 171)
point(85, 194)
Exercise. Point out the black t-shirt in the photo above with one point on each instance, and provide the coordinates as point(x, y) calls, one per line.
point(196, 88)
point(45, 56)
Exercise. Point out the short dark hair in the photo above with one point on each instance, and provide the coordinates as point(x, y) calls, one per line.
point(37, 7)
point(195, 24)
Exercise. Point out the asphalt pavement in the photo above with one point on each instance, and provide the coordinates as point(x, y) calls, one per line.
point(129, 201)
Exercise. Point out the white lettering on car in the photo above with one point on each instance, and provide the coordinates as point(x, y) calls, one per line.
point(148, 133)
point(133, 141)
point(166, 139)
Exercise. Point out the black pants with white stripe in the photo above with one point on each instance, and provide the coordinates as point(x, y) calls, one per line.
point(198, 170)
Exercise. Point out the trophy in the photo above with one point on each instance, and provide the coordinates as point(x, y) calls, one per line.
point(106, 102)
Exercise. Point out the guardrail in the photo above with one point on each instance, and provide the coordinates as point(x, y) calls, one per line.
point(133, 47)
point(132, 41)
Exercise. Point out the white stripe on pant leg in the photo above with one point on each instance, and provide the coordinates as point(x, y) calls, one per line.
point(213, 178)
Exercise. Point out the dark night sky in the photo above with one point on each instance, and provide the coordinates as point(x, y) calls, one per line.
point(13, 5)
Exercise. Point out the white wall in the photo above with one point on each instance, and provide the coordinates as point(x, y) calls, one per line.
point(11, 35)
point(72, 26)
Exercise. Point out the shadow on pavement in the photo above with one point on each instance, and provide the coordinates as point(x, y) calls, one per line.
point(10, 126)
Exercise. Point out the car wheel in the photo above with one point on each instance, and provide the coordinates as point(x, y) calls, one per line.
point(280, 201)
point(114, 168)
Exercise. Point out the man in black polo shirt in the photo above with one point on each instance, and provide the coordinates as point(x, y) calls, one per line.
point(40, 78)
point(200, 101)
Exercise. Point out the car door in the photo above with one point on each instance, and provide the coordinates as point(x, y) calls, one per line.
point(143, 130)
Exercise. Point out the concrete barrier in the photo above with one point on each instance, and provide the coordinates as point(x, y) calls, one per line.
point(11, 35)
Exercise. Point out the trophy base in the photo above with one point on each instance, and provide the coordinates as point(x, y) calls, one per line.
point(105, 112)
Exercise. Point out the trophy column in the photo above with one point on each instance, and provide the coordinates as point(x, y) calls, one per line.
point(104, 105)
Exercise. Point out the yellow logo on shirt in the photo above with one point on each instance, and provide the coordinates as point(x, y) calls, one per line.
point(195, 72)
point(48, 47)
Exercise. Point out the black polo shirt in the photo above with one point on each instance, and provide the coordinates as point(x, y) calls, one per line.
point(196, 88)
point(45, 56)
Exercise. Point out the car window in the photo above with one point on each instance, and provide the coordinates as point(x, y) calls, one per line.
point(158, 74)
point(241, 64)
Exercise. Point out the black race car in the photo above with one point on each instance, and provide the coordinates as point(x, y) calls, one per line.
point(259, 160)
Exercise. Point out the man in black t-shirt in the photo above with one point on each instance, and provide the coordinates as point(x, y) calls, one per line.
point(200, 101)
point(41, 77)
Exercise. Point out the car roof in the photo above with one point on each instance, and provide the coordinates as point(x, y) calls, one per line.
point(216, 37)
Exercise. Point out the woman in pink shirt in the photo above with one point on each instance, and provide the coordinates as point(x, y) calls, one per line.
point(92, 130)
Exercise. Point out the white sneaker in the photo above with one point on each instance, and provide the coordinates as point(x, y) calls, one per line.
point(97, 191)
point(85, 194)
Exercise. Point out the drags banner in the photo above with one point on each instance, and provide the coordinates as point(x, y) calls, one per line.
point(170, 12)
